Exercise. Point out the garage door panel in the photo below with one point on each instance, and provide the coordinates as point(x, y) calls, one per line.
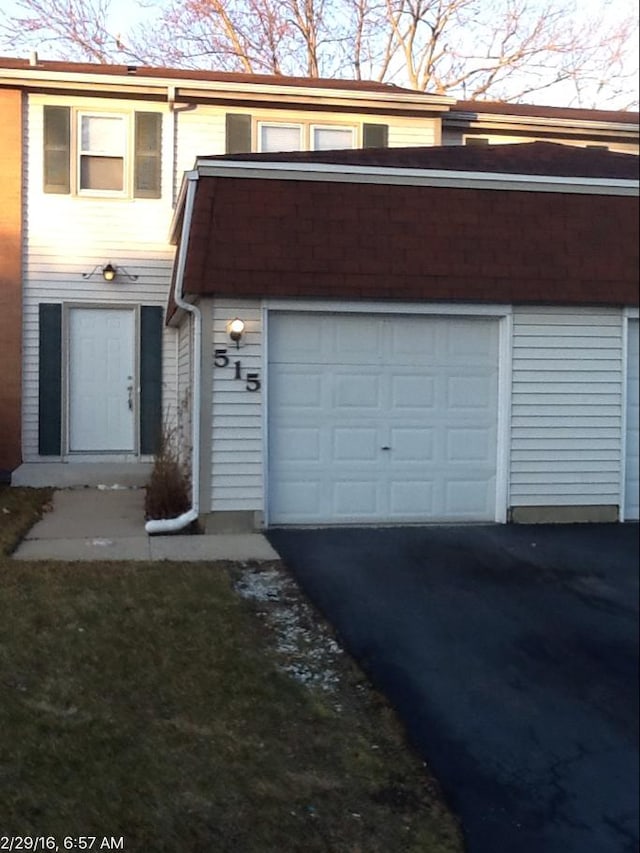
point(411, 392)
point(474, 391)
point(411, 343)
point(299, 388)
point(411, 499)
point(355, 390)
point(300, 501)
point(465, 338)
point(409, 433)
point(356, 340)
point(468, 499)
point(298, 444)
point(355, 498)
point(412, 444)
point(469, 445)
point(355, 444)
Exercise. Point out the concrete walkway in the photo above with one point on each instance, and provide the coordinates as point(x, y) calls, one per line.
point(108, 524)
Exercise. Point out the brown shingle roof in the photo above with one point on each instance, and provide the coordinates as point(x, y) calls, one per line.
point(201, 76)
point(500, 108)
point(531, 158)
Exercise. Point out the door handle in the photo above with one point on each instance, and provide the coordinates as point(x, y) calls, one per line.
point(130, 399)
point(385, 447)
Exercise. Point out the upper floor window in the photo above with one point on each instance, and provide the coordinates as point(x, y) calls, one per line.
point(102, 149)
point(331, 138)
point(107, 154)
point(244, 134)
point(279, 137)
point(301, 137)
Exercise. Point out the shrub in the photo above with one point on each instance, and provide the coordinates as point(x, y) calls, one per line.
point(169, 489)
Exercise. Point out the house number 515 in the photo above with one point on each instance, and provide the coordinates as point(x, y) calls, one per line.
point(221, 359)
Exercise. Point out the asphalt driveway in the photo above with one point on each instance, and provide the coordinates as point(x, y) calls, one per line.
point(511, 653)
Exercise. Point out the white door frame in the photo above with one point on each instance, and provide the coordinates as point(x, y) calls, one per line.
point(114, 456)
point(502, 313)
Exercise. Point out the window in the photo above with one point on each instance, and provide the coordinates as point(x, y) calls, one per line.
point(244, 134)
point(331, 138)
point(303, 137)
point(102, 149)
point(279, 137)
point(107, 154)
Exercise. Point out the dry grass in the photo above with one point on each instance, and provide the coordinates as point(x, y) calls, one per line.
point(149, 701)
point(19, 511)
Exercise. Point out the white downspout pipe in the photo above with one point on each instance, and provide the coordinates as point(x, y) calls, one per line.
point(172, 525)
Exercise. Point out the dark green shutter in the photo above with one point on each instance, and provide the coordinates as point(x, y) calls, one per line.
point(150, 378)
point(57, 150)
point(148, 155)
point(238, 133)
point(50, 380)
point(375, 135)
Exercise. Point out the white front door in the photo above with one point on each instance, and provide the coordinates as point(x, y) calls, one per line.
point(382, 418)
point(632, 462)
point(101, 379)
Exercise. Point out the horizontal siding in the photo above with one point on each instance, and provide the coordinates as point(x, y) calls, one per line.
point(407, 134)
point(236, 455)
point(566, 407)
point(67, 236)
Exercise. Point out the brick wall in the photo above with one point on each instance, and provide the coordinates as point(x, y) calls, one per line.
point(10, 277)
point(342, 240)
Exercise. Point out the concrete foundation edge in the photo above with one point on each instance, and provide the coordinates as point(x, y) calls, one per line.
point(564, 514)
point(232, 521)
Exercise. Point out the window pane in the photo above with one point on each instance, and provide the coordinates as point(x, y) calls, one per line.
point(280, 137)
point(103, 134)
point(101, 173)
point(330, 138)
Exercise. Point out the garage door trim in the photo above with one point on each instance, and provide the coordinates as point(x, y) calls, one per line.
point(501, 313)
point(630, 314)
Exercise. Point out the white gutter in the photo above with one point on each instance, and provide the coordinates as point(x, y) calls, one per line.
point(172, 525)
point(393, 175)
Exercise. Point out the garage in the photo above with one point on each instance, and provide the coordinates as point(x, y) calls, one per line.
point(632, 499)
point(381, 418)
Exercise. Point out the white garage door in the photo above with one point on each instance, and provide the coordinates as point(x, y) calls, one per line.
point(382, 418)
point(632, 499)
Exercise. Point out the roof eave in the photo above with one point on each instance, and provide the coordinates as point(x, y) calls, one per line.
point(341, 173)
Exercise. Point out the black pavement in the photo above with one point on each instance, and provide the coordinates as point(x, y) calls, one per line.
point(511, 654)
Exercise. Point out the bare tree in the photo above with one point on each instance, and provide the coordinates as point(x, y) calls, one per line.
point(500, 49)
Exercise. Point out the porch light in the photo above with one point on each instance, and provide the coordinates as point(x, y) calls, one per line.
point(235, 330)
point(109, 272)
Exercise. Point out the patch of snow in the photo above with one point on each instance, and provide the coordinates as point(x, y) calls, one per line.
point(304, 645)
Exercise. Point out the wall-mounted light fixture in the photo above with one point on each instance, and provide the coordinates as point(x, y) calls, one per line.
point(109, 272)
point(235, 330)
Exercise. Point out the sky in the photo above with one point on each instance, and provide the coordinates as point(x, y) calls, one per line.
point(126, 13)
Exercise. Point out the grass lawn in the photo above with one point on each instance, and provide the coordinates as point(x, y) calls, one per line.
point(148, 701)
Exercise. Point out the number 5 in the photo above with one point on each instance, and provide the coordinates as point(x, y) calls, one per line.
point(253, 383)
point(221, 358)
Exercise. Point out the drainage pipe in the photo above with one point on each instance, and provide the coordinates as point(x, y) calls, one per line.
point(172, 525)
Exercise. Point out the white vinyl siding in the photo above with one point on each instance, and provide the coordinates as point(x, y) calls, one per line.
point(68, 236)
point(566, 407)
point(236, 458)
point(407, 133)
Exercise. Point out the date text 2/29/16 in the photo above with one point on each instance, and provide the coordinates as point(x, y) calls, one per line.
point(34, 843)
